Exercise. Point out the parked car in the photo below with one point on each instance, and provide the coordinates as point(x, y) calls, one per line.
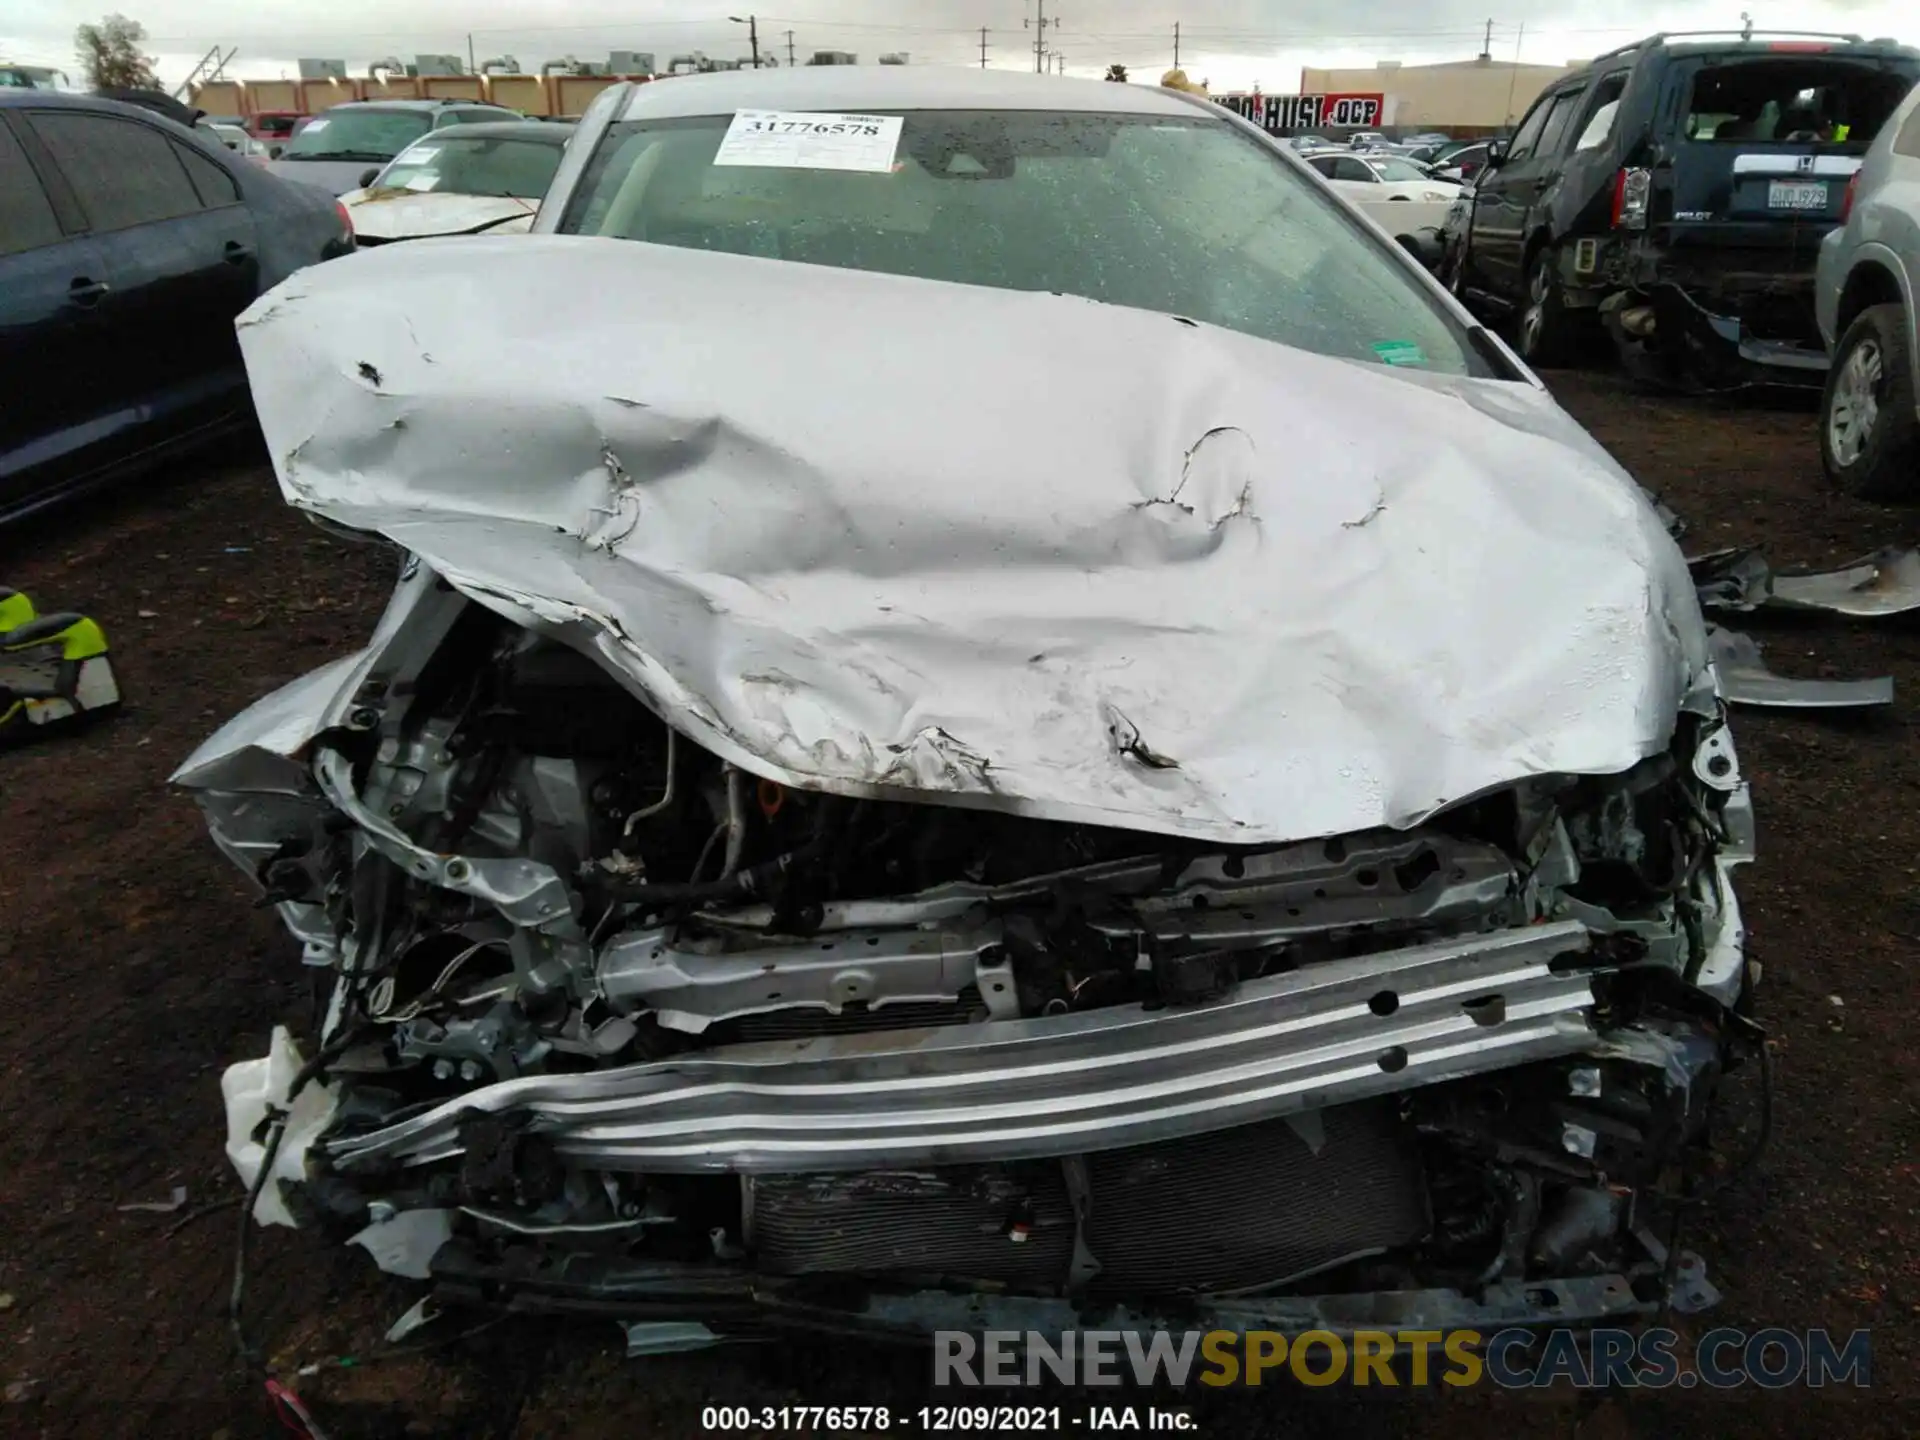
point(236, 139)
point(1309, 142)
point(1381, 177)
point(1452, 147)
point(1360, 139)
point(1462, 164)
point(1679, 188)
point(33, 77)
point(335, 150)
point(1867, 294)
point(933, 760)
point(274, 128)
point(460, 182)
point(128, 244)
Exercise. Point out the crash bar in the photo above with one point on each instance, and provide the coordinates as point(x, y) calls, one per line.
point(1325, 1034)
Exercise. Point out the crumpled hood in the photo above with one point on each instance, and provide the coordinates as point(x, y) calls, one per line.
point(395, 214)
point(894, 537)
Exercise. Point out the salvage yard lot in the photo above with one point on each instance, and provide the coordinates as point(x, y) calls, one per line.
point(132, 971)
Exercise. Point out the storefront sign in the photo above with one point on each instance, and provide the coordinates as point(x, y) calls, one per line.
point(1307, 112)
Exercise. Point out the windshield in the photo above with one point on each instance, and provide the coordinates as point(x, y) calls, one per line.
point(1188, 217)
point(1397, 171)
point(474, 166)
point(357, 135)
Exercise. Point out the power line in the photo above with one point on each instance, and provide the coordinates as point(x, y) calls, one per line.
point(1039, 27)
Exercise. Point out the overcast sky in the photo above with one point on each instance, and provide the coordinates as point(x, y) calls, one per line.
point(1232, 43)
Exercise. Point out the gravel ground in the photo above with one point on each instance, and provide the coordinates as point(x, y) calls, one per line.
point(132, 969)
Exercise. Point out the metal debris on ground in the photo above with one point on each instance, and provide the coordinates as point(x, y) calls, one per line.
point(1745, 680)
point(1886, 582)
point(160, 1207)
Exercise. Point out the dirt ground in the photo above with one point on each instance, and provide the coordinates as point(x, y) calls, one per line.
point(132, 970)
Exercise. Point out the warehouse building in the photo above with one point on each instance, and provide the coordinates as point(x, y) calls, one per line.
point(1457, 96)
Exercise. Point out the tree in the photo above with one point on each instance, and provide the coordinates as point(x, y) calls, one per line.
point(110, 55)
point(1117, 73)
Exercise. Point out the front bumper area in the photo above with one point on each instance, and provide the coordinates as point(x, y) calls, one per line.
point(730, 1302)
point(1321, 1036)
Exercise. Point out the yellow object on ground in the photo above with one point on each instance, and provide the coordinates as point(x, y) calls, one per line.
point(53, 668)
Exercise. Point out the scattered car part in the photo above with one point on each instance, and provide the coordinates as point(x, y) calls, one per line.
point(54, 669)
point(1745, 680)
point(1884, 583)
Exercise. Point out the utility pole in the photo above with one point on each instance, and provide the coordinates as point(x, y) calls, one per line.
point(1513, 75)
point(470, 66)
point(753, 38)
point(790, 60)
point(1039, 27)
point(983, 47)
point(1176, 44)
point(1486, 44)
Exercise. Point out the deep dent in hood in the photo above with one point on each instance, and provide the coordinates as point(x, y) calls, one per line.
point(895, 537)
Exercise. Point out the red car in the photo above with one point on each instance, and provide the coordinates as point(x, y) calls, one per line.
point(276, 127)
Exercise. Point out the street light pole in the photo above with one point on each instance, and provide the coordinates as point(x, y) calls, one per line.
point(752, 22)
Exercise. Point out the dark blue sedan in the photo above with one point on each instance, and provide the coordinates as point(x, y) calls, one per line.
point(128, 244)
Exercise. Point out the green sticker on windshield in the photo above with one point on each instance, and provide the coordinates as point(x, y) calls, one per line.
point(1399, 352)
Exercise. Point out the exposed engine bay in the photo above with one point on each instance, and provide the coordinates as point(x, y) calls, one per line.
point(613, 1026)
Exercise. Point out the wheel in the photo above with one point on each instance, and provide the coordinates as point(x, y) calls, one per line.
point(1869, 436)
point(1543, 319)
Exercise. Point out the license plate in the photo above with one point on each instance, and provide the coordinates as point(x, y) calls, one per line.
point(1796, 195)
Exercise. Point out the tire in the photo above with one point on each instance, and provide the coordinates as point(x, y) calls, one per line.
point(1869, 435)
point(1543, 332)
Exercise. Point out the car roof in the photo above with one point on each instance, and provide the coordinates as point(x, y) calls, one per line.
point(1684, 44)
point(409, 105)
point(855, 88)
point(544, 131)
point(12, 98)
point(65, 100)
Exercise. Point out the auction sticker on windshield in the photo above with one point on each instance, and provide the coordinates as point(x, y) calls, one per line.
point(805, 140)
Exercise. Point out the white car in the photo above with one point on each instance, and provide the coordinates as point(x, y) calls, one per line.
point(487, 177)
point(1382, 177)
point(236, 139)
point(988, 694)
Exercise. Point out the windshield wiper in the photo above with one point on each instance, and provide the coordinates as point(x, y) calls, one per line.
point(368, 156)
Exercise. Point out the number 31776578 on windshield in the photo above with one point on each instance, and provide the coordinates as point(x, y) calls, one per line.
point(814, 127)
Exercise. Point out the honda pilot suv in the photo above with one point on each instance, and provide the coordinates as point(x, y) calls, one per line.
point(1679, 189)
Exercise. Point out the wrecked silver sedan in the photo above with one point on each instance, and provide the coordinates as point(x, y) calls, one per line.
point(1025, 723)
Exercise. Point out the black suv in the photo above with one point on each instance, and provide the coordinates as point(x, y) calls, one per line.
point(1679, 188)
